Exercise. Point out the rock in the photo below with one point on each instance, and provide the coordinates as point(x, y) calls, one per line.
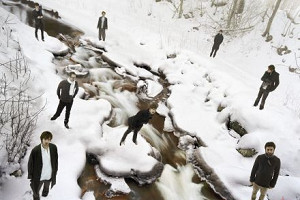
point(173, 55)
point(17, 173)
point(77, 69)
point(220, 108)
point(247, 152)
point(237, 127)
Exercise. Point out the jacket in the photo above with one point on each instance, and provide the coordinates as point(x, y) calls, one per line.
point(218, 39)
point(36, 14)
point(100, 23)
point(63, 91)
point(265, 171)
point(270, 80)
point(137, 121)
point(35, 164)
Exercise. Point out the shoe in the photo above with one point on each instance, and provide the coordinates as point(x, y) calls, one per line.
point(135, 142)
point(53, 118)
point(37, 38)
point(261, 107)
point(67, 126)
point(43, 40)
point(44, 194)
point(255, 104)
point(121, 143)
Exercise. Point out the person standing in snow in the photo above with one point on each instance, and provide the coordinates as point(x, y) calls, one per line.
point(270, 82)
point(38, 19)
point(265, 171)
point(136, 122)
point(217, 41)
point(102, 26)
point(66, 91)
point(43, 166)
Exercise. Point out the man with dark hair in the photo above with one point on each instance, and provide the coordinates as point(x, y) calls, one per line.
point(43, 166)
point(66, 91)
point(136, 122)
point(265, 171)
point(270, 82)
point(38, 19)
point(217, 41)
point(102, 26)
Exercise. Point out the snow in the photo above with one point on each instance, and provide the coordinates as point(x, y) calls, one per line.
point(199, 84)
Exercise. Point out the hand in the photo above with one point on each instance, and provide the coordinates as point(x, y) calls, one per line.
point(252, 183)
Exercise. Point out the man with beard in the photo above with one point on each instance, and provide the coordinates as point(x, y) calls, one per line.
point(265, 171)
point(42, 166)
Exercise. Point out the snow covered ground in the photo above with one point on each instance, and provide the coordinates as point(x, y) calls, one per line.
point(199, 84)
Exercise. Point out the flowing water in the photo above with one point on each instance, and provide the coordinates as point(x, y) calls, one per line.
point(178, 180)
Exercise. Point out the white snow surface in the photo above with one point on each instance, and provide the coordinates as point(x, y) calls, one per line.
point(199, 85)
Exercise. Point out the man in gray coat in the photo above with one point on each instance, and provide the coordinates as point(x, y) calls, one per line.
point(43, 166)
point(66, 91)
point(102, 26)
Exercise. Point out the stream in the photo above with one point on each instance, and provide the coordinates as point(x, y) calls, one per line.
point(178, 177)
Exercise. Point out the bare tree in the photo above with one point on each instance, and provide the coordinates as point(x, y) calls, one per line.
point(18, 109)
point(267, 31)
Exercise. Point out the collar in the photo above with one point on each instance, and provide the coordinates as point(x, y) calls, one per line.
point(71, 82)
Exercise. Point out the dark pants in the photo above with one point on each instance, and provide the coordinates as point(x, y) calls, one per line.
point(60, 108)
point(135, 132)
point(39, 25)
point(36, 187)
point(102, 34)
point(214, 50)
point(264, 94)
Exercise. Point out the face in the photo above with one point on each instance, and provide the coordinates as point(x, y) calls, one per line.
point(37, 7)
point(152, 111)
point(103, 14)
point(72, 77)
point(269, 70)
point(270, 151)
point(45, 142)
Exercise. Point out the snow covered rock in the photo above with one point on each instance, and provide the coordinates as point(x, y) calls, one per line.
point(77, 69)
point(56, 47)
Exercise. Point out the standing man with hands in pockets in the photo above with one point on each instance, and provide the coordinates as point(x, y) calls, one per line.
point(66, 92)
point(102, 26)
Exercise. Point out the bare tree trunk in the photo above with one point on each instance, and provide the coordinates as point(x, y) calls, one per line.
point(267, 31)
point(231, 14)
point(180, 9)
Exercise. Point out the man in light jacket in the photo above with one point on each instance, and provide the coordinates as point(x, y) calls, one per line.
point(102, 26)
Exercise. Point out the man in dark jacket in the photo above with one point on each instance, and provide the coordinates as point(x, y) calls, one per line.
point(102, 26)
point(265, 171)
point(42, 166)
point(217, 41)
point(270, 82)
point(38, 19)
point(66, 91)
point(136, 122)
